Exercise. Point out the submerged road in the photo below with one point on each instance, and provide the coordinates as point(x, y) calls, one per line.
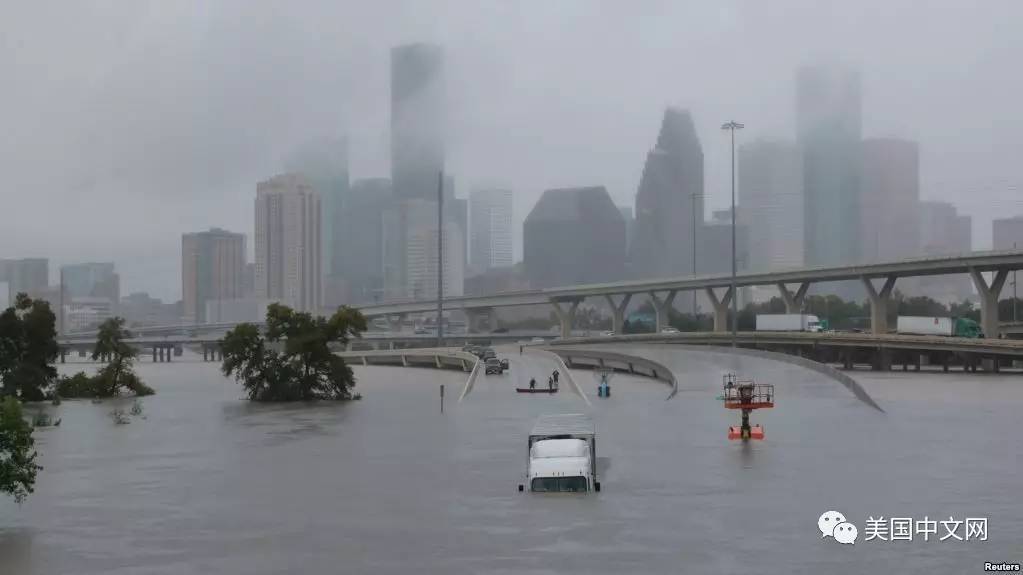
point(209, 483)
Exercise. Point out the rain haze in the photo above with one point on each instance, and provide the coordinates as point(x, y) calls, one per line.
point(127, 124)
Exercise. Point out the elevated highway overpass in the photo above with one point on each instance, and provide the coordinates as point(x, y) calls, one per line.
point(988, 270)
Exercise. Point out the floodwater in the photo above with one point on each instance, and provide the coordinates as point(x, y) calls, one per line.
point(206, 482)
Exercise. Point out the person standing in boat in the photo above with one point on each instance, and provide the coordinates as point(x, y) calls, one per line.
point(550, 383)
point(532, 383)
point(555, 377)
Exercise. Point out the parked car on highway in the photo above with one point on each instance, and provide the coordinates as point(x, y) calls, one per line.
point(607, 333)
point(493, 365)
point(537, 340)
point(670, 330)
point(489, 353)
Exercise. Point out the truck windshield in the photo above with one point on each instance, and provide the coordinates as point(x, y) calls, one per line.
point(562, 484)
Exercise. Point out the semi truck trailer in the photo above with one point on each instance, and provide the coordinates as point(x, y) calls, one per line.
point(562, 455)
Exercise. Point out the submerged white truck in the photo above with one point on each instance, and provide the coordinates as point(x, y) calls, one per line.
point(562, 455)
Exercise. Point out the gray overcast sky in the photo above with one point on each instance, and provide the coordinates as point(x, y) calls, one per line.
point(127, 123)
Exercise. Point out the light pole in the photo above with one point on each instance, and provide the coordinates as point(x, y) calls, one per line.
point(695, 195)
point(732, 127)
point(1014, 320)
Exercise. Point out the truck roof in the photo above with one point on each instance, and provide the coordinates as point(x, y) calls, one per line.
point(564, 424)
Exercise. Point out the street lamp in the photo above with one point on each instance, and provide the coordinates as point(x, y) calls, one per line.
point(732, 127)
point(695, 195)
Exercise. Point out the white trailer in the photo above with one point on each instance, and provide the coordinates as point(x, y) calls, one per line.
point(562, 454)
point(788, 322)
point(921, 325)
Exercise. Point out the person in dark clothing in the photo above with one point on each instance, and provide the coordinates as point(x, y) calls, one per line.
point(532, 383)
point(555, 376)
point(550, 382)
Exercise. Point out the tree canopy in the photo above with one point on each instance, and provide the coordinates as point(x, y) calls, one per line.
point(116, 375)
point(293, 360)
point(17, 458)
point(28, 348)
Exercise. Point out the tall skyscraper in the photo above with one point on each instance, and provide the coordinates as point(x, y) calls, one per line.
point(669, 199)
point(1007, 233)
point(574, 236)
point(27, 275)
point(324, 164)
point(770, 197)
point(945, 232)
point(212, 269)
point(630, 221)
point(93, 279)
point(890, 200)
point(829, 132)
point(421, 252)
point(417, 120)
point(490, 238)
point(360, 262)
point(288, 258)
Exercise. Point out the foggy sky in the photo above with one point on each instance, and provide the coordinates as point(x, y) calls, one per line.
point(125, 124)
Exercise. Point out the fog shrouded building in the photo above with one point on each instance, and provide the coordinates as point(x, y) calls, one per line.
point(670, 194)
point(93, 279)
point(828, 118)
point(361, 233)
point(889, 200)
point(945, 232)
point(630, 221)
point(324, 164)
point(28, 275)
point(574, 236)
point(288, 259)
point(1007, 233)
point(417, 120)
point(212, 270)
point(490, 237)
point(770, 197)
point(421, 253)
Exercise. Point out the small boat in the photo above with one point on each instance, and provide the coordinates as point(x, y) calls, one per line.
point(536, 390)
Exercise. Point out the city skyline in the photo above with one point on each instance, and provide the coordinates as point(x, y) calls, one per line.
point(200, 171)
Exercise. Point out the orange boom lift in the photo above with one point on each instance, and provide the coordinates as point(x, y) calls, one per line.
point(746, 395)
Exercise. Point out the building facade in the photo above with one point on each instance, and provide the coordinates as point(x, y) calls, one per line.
point(669, 201)
point(288, 259)
point(770, 198)
point(324, 164)
point(890, 200)
point(421, 252)
point(359, 261)
point(417, 120)
point(574, 236)
point(91, 280)
point(945, 232)
point(27, 275)
point(1007, 233)
point(212, 269)
point(490, 238)
point(828, 117)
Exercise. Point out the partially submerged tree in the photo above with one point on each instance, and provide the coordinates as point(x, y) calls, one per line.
point(17, 458)
point(28, 348)
point(116, 375)
point(293, 361)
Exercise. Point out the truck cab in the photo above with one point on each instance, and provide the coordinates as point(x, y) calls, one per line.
point(562, 455)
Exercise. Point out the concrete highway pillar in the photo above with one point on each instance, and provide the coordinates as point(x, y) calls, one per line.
point(988, 294)
point(662, 309)
point(618, 311)
point(793, 301)
point(566, 315)
point(879, 303)
point(154, 354)
point(720, 308)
